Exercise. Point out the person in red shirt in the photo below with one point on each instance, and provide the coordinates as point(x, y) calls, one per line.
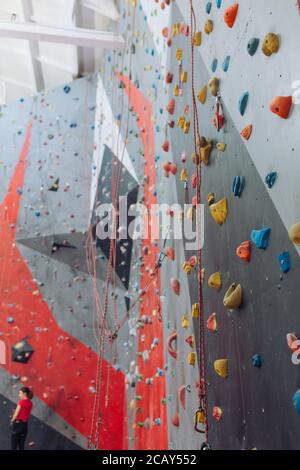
point(20, 418)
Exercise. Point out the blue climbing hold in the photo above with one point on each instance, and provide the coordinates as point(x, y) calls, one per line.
point(256, 360)
point(238, 185)
point(284, 261)
point(67, 89)
point(208, 8)
point(252, 46)
point(261, 237)
point(296, 401)
point(214, 65)
point(271, 179)
point(218, 3)
point(225, 65)
point(243, 103)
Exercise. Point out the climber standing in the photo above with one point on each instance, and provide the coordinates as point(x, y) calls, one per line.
point(19, 421)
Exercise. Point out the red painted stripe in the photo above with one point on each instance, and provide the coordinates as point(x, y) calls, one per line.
point(62, 368)
point(156, 437)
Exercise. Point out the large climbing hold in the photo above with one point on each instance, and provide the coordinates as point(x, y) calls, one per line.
point(244, 251)
point(281, 105)
point(243, 101)
point(284, 261)
point(252, 46)
point(22, 352)
point(171, 339)
point(214, 281)
point(218, 211)
point(233, 297)
point(221, 367)
point(260, 238)
point(246, 132)
point(271, 44)
point(211, 323)
point(230, 14)
point(294, 233)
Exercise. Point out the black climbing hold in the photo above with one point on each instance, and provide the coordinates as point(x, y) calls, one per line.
point(22, 352)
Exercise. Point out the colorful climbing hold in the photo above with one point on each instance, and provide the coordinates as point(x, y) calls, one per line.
point(197, 39)
point(205, 150)
point(284, 261)
point(294, 233)
point(296, 401)
point(208, 27)
point(226, 63)
point(271, 179)
point(221, 146)
point(191, 359)
point(170, 253)
point(214, 65)
point(195, 310)
point(217, 413)
point(202, 95)
point(175, 420)
point(281, 105)
point(293, 342)
point(261, 237)
point(214, 85)
point(244, 251)
point(252, 46)
point(171, 106)
point(182, 396)
point(256, 360)
point(271, 44)
point(219, 3)
point(171, 339)
point(185, 322)
point(221, 367)
point(243, 101)
point(246, 132)
point(218, 211)
point(233, 297)
point(238, 185)
point(214, 281)
point(230, 14)
point(212, 322)
point(210, 198)
point(175, 284)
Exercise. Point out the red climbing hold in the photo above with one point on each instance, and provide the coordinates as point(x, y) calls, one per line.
point(169, 77)
point(244, 251)
point(175, 420)
point(171, 106)
point(291, 341)
point(194, 180)
point(212, 322)
point(230, 14)
point(170, 253)
point(281, 105)
point(190, 341)
point(175, 284)
point(171, 350)
point(246, 132)
point(165, 146)
point(165, 32)
point(173, 168)
point(181, 395)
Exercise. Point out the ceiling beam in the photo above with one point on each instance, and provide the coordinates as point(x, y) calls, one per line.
point(75, 36)
point(105, 8)
point(34, 52)
point(17, 83)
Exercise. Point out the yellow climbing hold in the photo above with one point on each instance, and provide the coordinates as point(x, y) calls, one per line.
point(187, 267)
point(186, 127)
point(208, 27)
point(219, 211)
point(202, 95)
point(176, 90)
point(221, 147)
point(184, 76)
point(175, 29)
point(179, 54)
point(205, 150)
point(185, 321)
point(183, 175)
point(197, 39)
point(215, 281)
point(233, 297)
point(294, 233)
point(181, 122)
point(192, 358)
point(221, 367)
point(211, 198)
point(195, 310)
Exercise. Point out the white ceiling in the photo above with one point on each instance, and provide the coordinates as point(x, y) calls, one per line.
point(27, 67)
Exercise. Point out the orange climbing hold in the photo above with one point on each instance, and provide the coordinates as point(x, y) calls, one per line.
point(246, 132)
point(230, 15)
point(165, 32)
point(211, 323)
point(244, 251)
point(291, 341)
point(175, 420)
point(181, 396)
point(171, 106)
point(281, 105)
point(217, 413)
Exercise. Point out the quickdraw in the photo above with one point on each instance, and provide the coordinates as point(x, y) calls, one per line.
point(219, 116)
